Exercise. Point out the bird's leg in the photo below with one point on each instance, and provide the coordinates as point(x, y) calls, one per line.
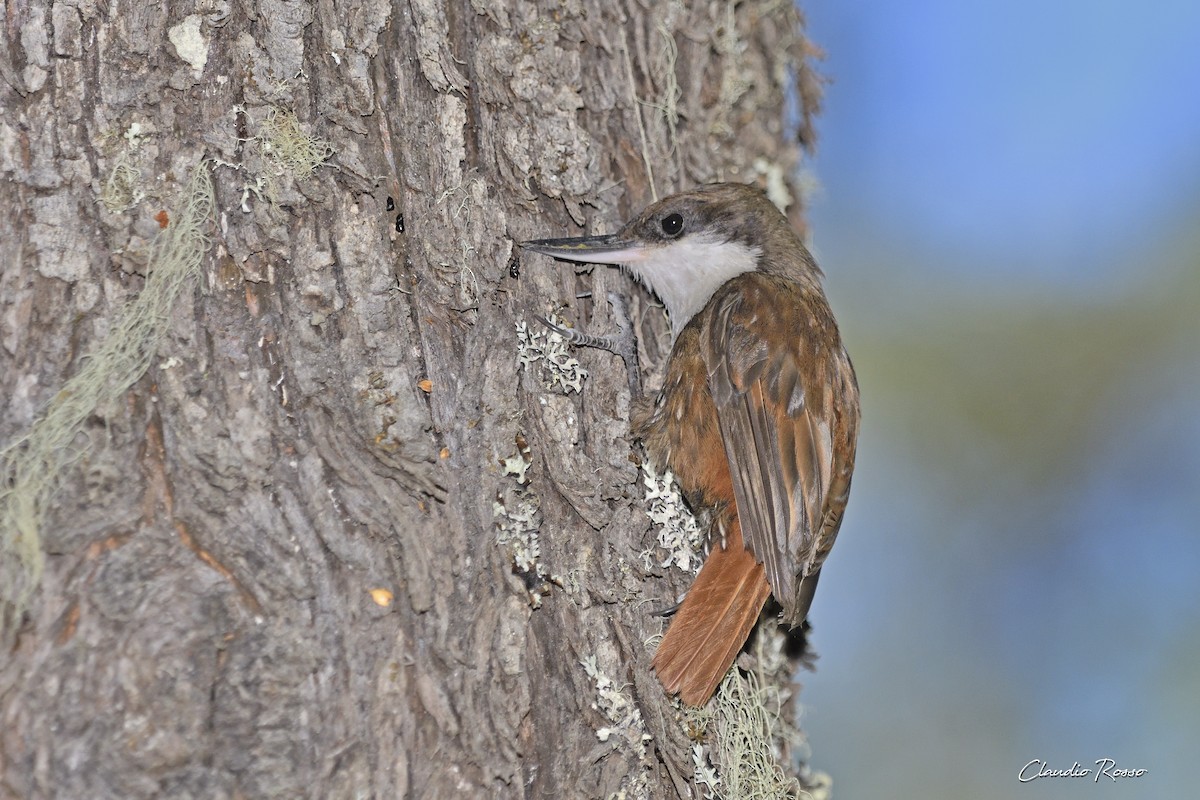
point(623, 343)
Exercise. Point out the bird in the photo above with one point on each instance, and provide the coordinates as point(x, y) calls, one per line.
point(757, 417)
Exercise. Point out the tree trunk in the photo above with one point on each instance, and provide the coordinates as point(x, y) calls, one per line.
point(290, 509)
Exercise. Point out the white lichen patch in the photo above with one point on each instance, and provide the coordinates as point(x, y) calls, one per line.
point(517, 464)
point(548, 349)
point(518, 519)
point(626, 730)
point(516, 514)
point(704, 775)
point(680, 536)
point(517, 529)
point(134, 135)
point(776, 188)
point(190, 44)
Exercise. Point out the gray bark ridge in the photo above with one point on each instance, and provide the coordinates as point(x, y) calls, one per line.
point(290, 556)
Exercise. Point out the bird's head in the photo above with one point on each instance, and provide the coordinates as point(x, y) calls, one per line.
point(688, 245)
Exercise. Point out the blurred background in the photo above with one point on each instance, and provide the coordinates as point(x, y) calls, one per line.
point(1008, 215)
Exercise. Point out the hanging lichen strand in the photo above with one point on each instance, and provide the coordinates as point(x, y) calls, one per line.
point(31, 464)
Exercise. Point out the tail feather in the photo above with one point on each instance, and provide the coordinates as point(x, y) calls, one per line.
point(714, 621)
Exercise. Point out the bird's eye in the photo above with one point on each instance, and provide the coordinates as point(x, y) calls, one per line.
point(672, 225)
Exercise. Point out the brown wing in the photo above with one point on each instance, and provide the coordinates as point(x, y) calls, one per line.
point(788, 414)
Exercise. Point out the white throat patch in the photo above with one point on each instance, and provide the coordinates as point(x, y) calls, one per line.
point(686, 273)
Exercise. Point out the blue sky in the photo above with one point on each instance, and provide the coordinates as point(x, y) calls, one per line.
point(1053, 137)
point(1009, 220)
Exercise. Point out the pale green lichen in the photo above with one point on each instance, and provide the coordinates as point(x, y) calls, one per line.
point(282, 149)
point(668, 102)
point(122, 188)
point(32, 464)
point(749, 734)
point(647, 159)
point(736, 79)
point(285, 142)
point(744, 750)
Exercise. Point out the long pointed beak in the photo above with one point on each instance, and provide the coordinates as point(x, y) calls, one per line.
point(590, 249)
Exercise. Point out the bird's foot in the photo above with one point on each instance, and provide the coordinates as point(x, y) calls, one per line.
point(622, 344)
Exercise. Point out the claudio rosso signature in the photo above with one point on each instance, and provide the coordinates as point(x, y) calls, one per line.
point(1105, 768)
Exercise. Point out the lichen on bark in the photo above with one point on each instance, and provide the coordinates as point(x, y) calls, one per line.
point(327, 424)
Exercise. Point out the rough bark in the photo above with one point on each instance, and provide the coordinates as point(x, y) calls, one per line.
point(273, 568)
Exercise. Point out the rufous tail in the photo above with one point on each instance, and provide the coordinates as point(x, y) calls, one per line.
point(714, 621)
